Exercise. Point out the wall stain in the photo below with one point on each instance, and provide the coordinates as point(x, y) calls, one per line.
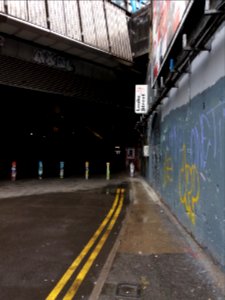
point(167, 170)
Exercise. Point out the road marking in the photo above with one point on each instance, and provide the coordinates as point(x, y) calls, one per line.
point(82, 274)
point(72, 268)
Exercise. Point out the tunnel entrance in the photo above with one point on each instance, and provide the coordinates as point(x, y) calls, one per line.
point(42, 126)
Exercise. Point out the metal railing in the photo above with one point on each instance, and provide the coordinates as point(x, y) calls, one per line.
point(99, 24)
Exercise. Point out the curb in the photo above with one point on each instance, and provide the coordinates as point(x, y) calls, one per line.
point(96, 292)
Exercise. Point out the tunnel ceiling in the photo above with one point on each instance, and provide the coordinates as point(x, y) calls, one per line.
point(19, 73)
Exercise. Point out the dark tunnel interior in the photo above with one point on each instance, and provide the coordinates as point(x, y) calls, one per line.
point(38, 126)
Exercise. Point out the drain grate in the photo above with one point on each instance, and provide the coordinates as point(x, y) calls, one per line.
point(128, 290)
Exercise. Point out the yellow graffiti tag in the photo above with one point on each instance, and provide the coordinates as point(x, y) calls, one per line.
point(189, 186)
point(167, 170)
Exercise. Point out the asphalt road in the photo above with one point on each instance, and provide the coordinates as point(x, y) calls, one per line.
point(42, 235)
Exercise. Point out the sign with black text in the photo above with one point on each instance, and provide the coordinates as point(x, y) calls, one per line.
point(146, 150)
point(141, 99)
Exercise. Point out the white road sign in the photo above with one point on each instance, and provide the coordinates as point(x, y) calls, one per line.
point(141, 99)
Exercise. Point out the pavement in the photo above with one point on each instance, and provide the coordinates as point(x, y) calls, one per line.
point(153, 258)
point(29, 187)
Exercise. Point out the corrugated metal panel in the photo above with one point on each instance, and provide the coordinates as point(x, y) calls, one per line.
point(37, 12)
point(18, 9)
point(88, 22)
point(16, 72)
point(112, 26)
point(118, 15)
point(64, 20)
point(72, 19)
point(100, 24)
point(2, 9)
point(19, 73)
point(118, 32)
point(124, 36)
point(57, 16)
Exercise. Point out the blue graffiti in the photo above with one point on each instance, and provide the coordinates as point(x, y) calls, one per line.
point(205, 137)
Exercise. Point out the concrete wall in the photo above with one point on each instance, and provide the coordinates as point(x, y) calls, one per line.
point(187, 149)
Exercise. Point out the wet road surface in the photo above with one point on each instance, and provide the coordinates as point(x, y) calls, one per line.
point(41, 236)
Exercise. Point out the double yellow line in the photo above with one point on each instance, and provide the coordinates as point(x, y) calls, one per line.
point(107, 223)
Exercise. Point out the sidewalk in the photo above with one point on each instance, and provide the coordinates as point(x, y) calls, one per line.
point(28, 187)
point(155, 259)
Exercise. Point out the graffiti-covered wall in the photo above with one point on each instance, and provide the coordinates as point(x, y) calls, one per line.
point(187, 158)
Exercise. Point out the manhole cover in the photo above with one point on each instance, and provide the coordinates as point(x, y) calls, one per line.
point(128, 290)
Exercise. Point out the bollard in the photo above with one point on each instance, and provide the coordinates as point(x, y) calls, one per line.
point(107, 170)
point(13, 171)
point(86, 169)
point(132, 167)
point(61, 171)
point(40, 169)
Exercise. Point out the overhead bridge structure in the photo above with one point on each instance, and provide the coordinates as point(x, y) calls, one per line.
point(79, 50)
point(95, 31)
